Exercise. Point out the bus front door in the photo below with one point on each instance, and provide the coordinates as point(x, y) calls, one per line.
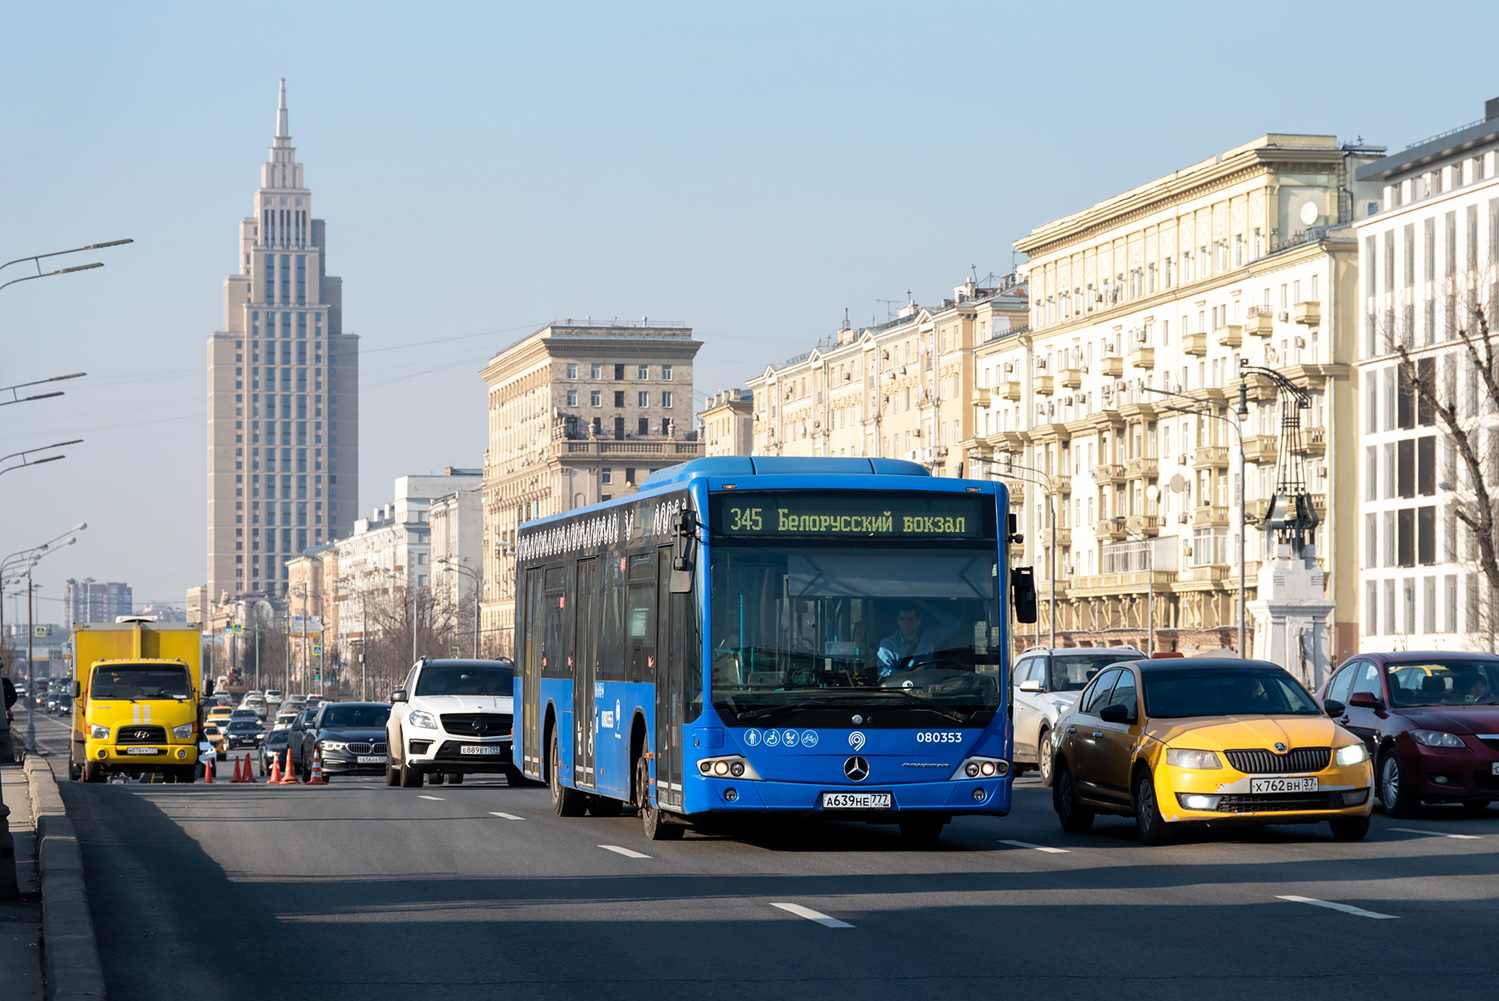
point(585, 671)
point(671, 677)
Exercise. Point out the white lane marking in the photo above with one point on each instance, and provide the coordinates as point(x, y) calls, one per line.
point(627, 853)
point(1039, 848)
point(811, 915)
point(507, 816)
point(1345, 908)
point(1439, 834)
point(425, 796)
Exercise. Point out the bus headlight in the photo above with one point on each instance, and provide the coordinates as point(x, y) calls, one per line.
point(728, 766)
point(982, 768)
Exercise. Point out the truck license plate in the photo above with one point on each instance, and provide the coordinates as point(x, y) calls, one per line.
point(482, 749)
point(856, 801)
point(1308, 784)
point(142, 750)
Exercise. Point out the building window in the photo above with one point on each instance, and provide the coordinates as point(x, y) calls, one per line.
point(642, 399)
point(619, 399)
point(596, 371)
point(619, 373)
point(642, 372)
point(666, 399)
point(643, 428)
point(666, 373)
point(595, 398)
point(572, 397)
point(572, 370)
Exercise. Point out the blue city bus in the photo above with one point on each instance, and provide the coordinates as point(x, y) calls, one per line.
point(772, 635)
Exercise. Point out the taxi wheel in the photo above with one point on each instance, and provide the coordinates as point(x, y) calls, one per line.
point(1148, 820)
point(1075, 817)
point(1395, 794)
point(1349, 828)
point(1043, 757)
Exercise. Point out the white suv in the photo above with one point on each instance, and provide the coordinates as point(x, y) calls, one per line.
point(453, 718)
point(1045, 683)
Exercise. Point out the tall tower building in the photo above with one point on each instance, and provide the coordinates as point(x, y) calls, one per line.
point(283, 392)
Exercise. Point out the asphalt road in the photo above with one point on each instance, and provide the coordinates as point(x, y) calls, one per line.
point(477, 891)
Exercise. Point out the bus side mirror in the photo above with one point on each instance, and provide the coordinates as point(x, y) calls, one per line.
point(684, 527)
point(1023, 586)
point(75, 689)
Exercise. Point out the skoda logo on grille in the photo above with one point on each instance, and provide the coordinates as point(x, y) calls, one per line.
point(856, 768)
point(1280, 748)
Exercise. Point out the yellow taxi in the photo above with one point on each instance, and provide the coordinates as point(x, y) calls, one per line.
point(216, 736)
point(219, 715)
point(1206, 740)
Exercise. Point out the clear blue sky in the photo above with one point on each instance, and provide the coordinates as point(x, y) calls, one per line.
point(751, 170)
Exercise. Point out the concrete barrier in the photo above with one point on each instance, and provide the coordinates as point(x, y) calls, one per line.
point(70, 953)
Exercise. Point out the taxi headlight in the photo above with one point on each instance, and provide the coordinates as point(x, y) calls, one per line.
point(1353, 754)
point(1436, 738)
point(183, 732)
point(98, 732)
point(422, 719)
point(1180, 757)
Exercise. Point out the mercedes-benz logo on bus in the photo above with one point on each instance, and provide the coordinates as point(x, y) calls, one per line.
point(856, 768)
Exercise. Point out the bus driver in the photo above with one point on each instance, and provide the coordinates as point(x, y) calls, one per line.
point(911, 642)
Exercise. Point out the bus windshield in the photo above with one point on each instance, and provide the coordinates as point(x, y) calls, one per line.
point(833, 626)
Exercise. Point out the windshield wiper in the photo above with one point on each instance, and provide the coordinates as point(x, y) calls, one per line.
point(931, 704)
point(785, 707)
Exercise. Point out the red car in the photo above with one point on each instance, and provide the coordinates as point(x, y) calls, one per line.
point(1431, 720)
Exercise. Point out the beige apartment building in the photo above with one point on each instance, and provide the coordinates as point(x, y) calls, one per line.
point(727, 423)
point(898, 390)
point(1114, 414)
point(578, 413)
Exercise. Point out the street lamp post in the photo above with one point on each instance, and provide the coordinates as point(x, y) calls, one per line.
point(478, 587)
point(30, 635)
point(37, 259)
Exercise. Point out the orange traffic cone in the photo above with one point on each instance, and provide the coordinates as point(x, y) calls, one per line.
point(239, 776)
point(316, 778)
point(288, 775)
point(249, 771)
point(275, 769)
point(208, 769)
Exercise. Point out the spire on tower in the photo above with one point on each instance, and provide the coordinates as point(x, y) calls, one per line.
point(282, 130)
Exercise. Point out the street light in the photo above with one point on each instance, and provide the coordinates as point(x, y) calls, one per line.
point(35, 462)
point(1051, 507)
point(12, 559)
point(37, 258)
point(30, 634)
point(478, 587)
point(17, 398)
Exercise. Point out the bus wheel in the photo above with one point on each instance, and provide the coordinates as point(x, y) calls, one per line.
point(565, 802)
point(655, 825)
point(921, 832)
point(603, 806)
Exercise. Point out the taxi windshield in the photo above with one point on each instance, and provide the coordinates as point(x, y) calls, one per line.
point(1225, 692)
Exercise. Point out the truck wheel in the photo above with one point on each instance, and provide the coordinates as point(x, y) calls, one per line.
point(93, 772)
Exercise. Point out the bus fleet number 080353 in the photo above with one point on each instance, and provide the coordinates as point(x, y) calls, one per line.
point(939, 737)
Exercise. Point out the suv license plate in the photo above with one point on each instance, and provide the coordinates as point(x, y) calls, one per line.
point(371, 759)
point(857, 801)
point(481, 749)
point(1257, 786)
point(142, 750)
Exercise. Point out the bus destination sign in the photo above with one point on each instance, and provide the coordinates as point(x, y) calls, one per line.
point(863, 516)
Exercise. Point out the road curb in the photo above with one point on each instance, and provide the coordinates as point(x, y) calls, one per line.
point(70, 954)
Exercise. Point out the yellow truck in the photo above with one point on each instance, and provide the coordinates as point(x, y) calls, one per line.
point(136, 699)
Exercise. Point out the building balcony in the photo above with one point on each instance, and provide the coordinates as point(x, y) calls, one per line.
point(1319, 504)
point(1072, 378)
point(1142, 358)
point(1209, 515)
point(981, 397)
point(1307, 313)
point(1134, 583)
point(1108, 472)
point(1210, 457)
point(1254, 510)
point(1110, 529)
point(1044, 385)
point(1261, 449)
point(1314, 441)
point(1009, 441)
point(1230, 335)
point(1260, 322)
point(1195, 344)
point(1143, 524)
point(1111, 367)
point(1146, 467)
point(1009, 390)
point(676, 451)
point(1064, 538)
point(1058, 484)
